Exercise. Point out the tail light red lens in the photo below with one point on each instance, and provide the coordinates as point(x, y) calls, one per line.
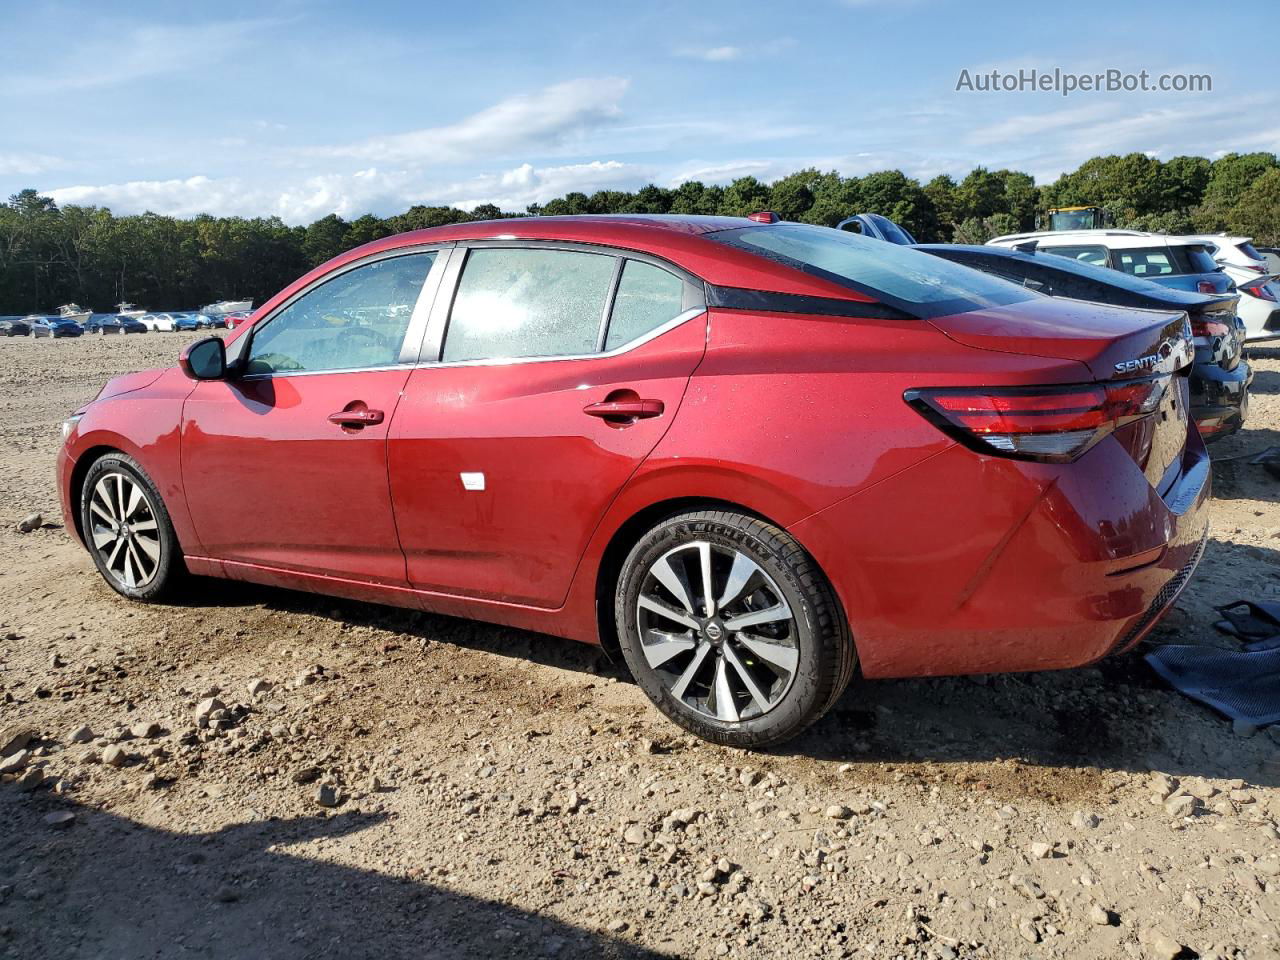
point(1206, 286)
point(1054, 423)
point(1262, 292)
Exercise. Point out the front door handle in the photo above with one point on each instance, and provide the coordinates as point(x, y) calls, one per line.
point(356, 418)
point(620, 409)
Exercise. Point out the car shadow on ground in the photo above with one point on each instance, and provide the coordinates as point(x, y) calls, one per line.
point(106, 886)
point(1117, 714)
point(1234, 477)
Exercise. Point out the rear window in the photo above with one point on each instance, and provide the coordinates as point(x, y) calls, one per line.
point(892, 232)
point(1196, 258)
point(914, 282)
point(1249, 250)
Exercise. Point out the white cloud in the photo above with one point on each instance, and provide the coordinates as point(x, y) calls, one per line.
point(348, 195)
point(24, 164)
point(351, 195)
point(538, 120)
point(710, 54)
point(108, 57)
point(516, 189)
point(724, 172)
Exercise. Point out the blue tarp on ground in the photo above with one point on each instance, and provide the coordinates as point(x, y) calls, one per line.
point(1243, 684)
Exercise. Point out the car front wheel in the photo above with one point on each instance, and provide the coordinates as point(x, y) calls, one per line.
point(730, 628)
point(127, 529)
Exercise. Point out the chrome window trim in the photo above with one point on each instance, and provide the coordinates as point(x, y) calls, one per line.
point(418, 319)
point(437, 328)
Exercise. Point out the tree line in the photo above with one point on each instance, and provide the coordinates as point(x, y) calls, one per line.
point(51, 255)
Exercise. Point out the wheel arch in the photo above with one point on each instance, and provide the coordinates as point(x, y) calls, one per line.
point(627, 535)
point(78, 473)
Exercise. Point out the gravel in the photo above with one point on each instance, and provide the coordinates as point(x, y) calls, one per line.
point(252, 772)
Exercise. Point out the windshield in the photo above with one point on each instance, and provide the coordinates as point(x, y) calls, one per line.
point(914, 282)
point(1074, 220)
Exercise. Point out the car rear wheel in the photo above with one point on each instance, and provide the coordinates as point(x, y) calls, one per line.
point(730, 628)
point(127, 529)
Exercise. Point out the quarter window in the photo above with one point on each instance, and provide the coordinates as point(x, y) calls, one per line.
point(517, 302)
point(647, 297)
point(354, 321)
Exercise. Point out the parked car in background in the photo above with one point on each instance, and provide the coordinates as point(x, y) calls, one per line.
point(158, 322)
point(235, 320)
point(105, 323)
point(1233, 251)
point(189, 321)
point(1177, 262)
point(1220, 377)
point(53, 327)
point(1259, 303)
point(733, 449)
point(875, 226)
point(14, 327)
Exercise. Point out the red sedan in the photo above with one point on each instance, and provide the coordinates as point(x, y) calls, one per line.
point(749, 455)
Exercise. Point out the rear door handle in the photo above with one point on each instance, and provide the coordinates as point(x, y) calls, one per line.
point(356, 418)
point(610, 409)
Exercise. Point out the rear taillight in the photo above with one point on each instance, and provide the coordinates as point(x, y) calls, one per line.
point(1054, 423)
point(1206, 286)
point(1261, 292)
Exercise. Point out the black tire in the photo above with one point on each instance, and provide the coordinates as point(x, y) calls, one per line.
point(826, 655)
point(169, 569)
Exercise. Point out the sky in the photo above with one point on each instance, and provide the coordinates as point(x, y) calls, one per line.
point(301, 109)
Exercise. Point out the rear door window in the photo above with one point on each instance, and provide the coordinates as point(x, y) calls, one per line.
point(520, 302)
point(1085, 254)
point(1147, 262)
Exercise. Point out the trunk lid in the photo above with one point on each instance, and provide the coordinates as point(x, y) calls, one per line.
point(1113, 342)
point(1116, 344)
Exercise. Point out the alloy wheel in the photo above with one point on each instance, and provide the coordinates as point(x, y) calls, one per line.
point(717, 631)
point(123, 529)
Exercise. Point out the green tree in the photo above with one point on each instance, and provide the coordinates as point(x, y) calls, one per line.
point(1257, 213)
point(325, 239)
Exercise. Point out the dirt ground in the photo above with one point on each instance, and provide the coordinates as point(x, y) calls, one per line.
point(500, 794)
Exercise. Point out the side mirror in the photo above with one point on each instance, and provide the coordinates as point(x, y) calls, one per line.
point(205, 359)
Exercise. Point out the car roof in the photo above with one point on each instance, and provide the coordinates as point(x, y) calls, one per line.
point(681, 240)
point(1216, 238)
point(1111, 239)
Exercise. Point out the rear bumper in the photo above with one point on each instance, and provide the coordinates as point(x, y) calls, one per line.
point(1220, 399)
point(971, 564)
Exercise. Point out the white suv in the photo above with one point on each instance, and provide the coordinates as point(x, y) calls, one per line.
point(1183, 263)
point(1260, 300)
